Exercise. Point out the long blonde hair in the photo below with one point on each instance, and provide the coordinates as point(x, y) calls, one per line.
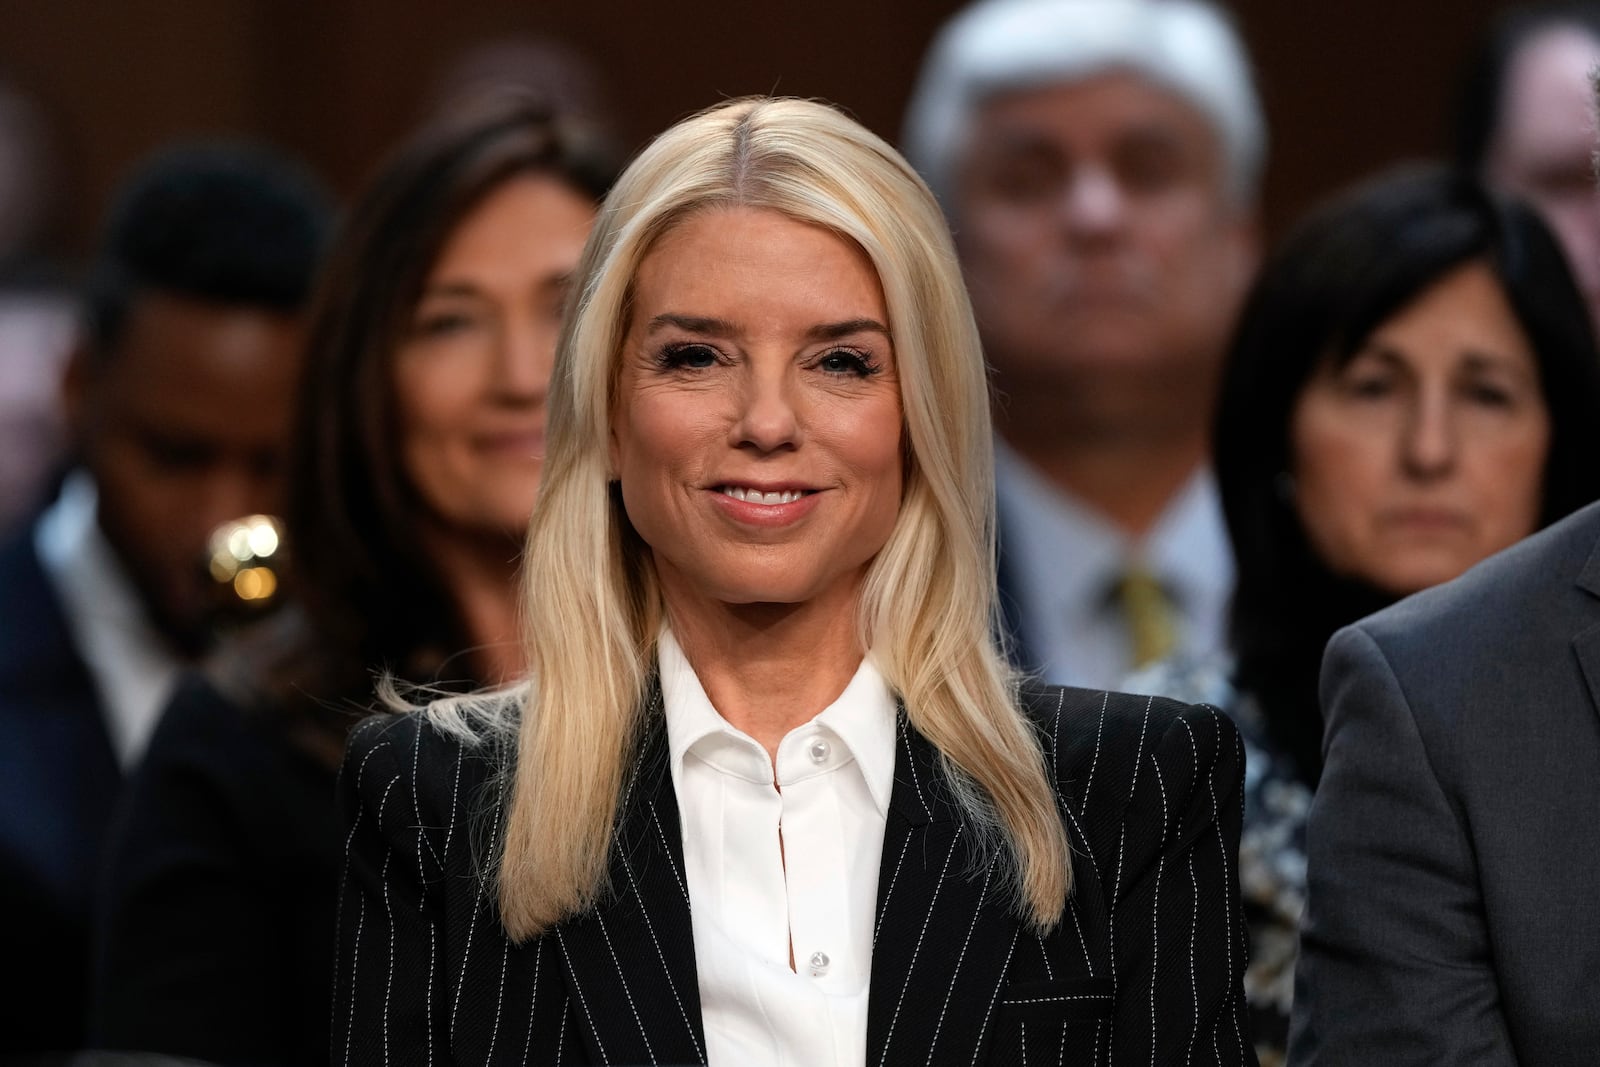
point(591, 600)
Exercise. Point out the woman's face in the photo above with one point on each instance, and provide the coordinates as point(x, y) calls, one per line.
point(1425, 452)
point(756, 427)
point(472, 370)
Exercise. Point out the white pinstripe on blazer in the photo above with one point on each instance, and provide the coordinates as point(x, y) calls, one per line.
point(1144, 968)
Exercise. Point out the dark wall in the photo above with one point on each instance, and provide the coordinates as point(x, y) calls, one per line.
point(1348, 86)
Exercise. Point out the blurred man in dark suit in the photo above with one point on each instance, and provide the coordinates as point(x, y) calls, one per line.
point(1453, 851)
point(1098, 161)
point(177, 399)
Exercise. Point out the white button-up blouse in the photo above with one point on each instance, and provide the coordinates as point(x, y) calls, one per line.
point(781, 861)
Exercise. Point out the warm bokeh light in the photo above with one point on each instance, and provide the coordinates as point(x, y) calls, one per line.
point(255, 583)
point(246, 557)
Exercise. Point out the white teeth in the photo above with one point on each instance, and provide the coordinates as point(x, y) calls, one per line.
point(755, 496)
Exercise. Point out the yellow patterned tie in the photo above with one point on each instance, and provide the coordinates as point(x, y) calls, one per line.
point(1152, 630)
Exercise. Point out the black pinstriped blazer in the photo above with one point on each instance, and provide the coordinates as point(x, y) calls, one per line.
point(1144, 968)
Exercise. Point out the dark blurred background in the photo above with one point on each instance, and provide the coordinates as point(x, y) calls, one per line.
point(1348, 86)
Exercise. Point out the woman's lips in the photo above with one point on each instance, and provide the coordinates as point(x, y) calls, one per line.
point(764, 505)
point(512, 442)
point(762, 496)
point(1426, 520)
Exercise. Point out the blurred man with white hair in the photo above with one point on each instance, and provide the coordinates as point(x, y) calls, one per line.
point(1098, 161)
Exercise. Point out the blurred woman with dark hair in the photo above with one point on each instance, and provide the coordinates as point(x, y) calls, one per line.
point(1412, 387)
point(416, 462)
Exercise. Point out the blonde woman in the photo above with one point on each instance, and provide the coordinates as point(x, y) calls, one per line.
point(771, 795)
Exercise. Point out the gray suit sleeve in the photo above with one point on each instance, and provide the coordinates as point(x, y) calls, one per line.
point(1394, 955)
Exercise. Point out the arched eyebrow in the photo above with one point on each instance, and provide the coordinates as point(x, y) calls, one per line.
point(468, 288)
point(1482, 359)
point(450, 289)
point(694, 324)
point(1473, 357)
point(832, 331)
point(713, 327)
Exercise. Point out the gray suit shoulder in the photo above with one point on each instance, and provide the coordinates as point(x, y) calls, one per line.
point(1483, 649)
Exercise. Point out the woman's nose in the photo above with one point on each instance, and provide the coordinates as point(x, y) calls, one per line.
point(767, 419)
point(523, 358)
point(1428, 445)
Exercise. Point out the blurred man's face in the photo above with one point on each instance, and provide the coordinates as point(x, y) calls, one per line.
point(184, 427)
point(1543, 149)
point(1104, 253)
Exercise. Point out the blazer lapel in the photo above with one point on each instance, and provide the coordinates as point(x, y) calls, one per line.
point(630, 959)
point(945, 932)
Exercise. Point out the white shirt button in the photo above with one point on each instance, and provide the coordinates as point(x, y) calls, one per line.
point(819, 751)
point(819, 962)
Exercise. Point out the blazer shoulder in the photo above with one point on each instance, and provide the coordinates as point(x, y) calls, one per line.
point(1080, 723)
point(429, 766)
point(1112, 753)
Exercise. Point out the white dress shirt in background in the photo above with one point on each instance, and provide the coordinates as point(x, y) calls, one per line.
point(774, 866)
point(1064, 561)
point(133, 667)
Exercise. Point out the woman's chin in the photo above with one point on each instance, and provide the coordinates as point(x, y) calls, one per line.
point(1401, 577)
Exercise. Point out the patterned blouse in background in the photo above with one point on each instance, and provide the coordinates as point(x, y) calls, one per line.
point(1272, 845)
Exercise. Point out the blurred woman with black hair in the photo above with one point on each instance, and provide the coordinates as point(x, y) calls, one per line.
point(1413, 386)
point(415, 465)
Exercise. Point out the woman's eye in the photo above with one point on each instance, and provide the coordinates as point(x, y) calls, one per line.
point(689, 357)
point(442, 324)
point(844, 361)
point(1489, 395)
point(1366, 387)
